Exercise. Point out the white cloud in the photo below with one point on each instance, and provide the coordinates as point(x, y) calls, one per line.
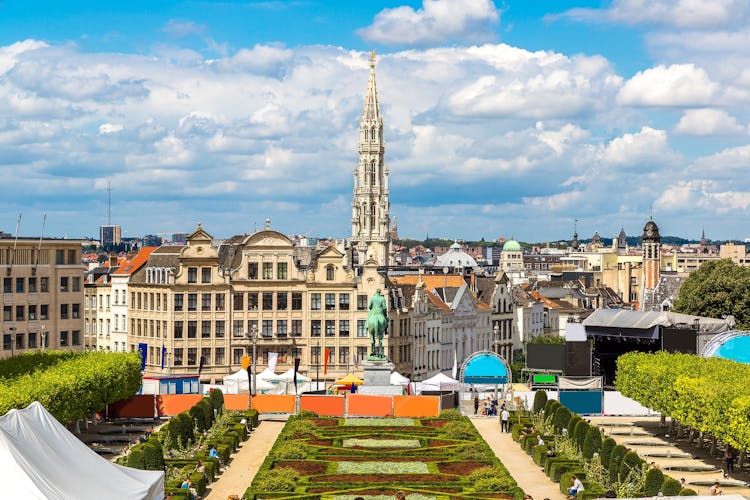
point(437, 21)
point(646, 146)
point(708, 121)
point(110, 128)
point(179, 29)
point(675, 85)
point(679, 13)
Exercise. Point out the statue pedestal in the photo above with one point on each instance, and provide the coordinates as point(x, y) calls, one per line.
point(377, 373)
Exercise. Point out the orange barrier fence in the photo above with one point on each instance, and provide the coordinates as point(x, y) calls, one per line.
point(146, 405)
point(331, 406)
point(364, 405)
point(416, 406)
point(273, 403)
point(235, 401)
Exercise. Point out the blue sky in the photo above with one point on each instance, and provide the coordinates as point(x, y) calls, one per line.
point(504, 118)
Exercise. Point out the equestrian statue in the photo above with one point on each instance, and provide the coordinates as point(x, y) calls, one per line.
point(377, 324)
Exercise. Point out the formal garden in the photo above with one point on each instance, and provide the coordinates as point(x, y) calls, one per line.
point(441, 458)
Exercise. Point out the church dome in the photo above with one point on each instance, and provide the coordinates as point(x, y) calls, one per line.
point(455, 257)
point(650, 230)
point(511, 246)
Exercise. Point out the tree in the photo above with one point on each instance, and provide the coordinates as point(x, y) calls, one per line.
point(716, 289)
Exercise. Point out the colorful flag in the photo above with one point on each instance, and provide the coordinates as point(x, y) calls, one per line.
point(272, 358)
point(296, 369)
point(163, 355)
point(454, 371)
point(325, 360)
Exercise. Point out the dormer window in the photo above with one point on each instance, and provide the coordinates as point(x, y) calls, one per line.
point(330, 272)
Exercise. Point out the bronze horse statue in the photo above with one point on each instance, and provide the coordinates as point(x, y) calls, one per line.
point(377, 323)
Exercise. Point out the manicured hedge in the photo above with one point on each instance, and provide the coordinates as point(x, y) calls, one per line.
point(30, 362)
point(670, 487)
point(654, 482)
point(606, 451)
point(592, 443)
point(540, 400)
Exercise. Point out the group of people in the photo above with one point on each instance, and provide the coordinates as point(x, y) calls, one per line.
point(489, 406)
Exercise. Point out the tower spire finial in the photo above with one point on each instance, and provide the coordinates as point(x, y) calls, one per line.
point(372, 60)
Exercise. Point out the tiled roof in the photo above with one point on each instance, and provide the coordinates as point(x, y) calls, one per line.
point(435, 300)
point(431, 281)
point(131, 266)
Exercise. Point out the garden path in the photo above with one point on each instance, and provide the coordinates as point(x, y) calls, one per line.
point(245, 463)
point(527, 474)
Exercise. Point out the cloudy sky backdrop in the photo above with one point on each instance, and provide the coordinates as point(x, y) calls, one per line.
point(502, 118)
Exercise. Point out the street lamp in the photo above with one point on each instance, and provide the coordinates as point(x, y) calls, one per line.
point(12, 341)
point(253, 333)
point(317, 367)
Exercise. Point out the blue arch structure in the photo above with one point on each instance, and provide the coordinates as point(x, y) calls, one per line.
point(734, 345)
point(485, 367)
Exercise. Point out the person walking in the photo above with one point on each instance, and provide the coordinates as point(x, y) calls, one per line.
point(504, 418)
point(729, 459)
point(476, 403)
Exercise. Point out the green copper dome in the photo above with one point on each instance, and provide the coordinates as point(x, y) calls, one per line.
point(511, 246)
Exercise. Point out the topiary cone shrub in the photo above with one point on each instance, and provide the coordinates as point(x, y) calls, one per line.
point(579, 436)
point(561, 418)
point(670, 487)
point(592, 443)
point(571, 427)
point(631, 461)
point(606, 451)
point(615, 460)
point(688, 492)
point(540, 400)
point(654, 480)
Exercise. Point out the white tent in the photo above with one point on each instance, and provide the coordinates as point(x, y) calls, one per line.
point(237, 383)
point(287, 379)
point(41, 459)
point(269, 375)
point(398, 379)
point(440, 382)
point(288, 376)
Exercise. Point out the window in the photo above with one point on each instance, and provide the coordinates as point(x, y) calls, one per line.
point(219, 356)
point(32, 285)
point(331, 354)
point(344, 328)
point(178, 327)
point(315, 301)
point(44, 311)
point(361, 328)
point(64, 286)
point(178, 356)
point(192, 302)
point(7, 313)
point(281, 273)
point(252, 325)
point(220, 329)
point(191, 355)
point(44, 285)
point(330, 328)
point(237, 356)
point(315, 355)
point(330, 271)
point(361, 302)
point(267, 328)
point(192, 275)
point(72, 257)
point(205, 302)
point(192, 329)
point(237, 301)
point(296, 328)
point(281, 301)
point(205, 275)
point(63, 311)
point(268, 270)
point(63, 339)
point(178, 302)
point(32, 312)
point(268, 301)
point(220, 300)
point(315, 328)
point(75, 311)
point(281, 328)
point(76, 337)
point(296, 301)
point(344, 301)
point(361, 353)
point(7, 342)
point(32, 340)
point(343, 355)
point(20, 313)
point(252, 301)
point(252, 270)
point(19, 285)
point(76, 280)
point(7, 285)
point(330, 302)
point(59, 257)
point(205, 356)
point(238, 328)
point(205, 329)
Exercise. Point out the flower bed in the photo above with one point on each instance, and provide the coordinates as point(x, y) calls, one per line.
point(331, 458)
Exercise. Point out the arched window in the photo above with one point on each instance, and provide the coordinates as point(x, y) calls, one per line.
point(373, 136)
point(365, 134)
point(372, 173)
point(330, 271)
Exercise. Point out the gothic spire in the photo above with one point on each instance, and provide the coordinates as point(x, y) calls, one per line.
point(372, 107)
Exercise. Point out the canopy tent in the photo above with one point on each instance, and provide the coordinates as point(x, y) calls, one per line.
point(287, 380)
point(41, 459)
point(398, 379)
point(484, 368)
point(439, 382)
point(288, 376)
point(349, 380)
point(237, 383)
point(269, 375)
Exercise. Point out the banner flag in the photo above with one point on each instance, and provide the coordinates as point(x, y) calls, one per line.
point(143, 348)
point(163, 355)
point(325, 360)
point(296, 369)
point(272, 358)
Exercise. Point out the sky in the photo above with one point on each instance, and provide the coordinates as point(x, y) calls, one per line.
point(502, 119)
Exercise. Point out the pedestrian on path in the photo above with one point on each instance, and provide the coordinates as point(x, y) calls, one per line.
point(729, 459)
point(476, 403)
point(504, 421)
